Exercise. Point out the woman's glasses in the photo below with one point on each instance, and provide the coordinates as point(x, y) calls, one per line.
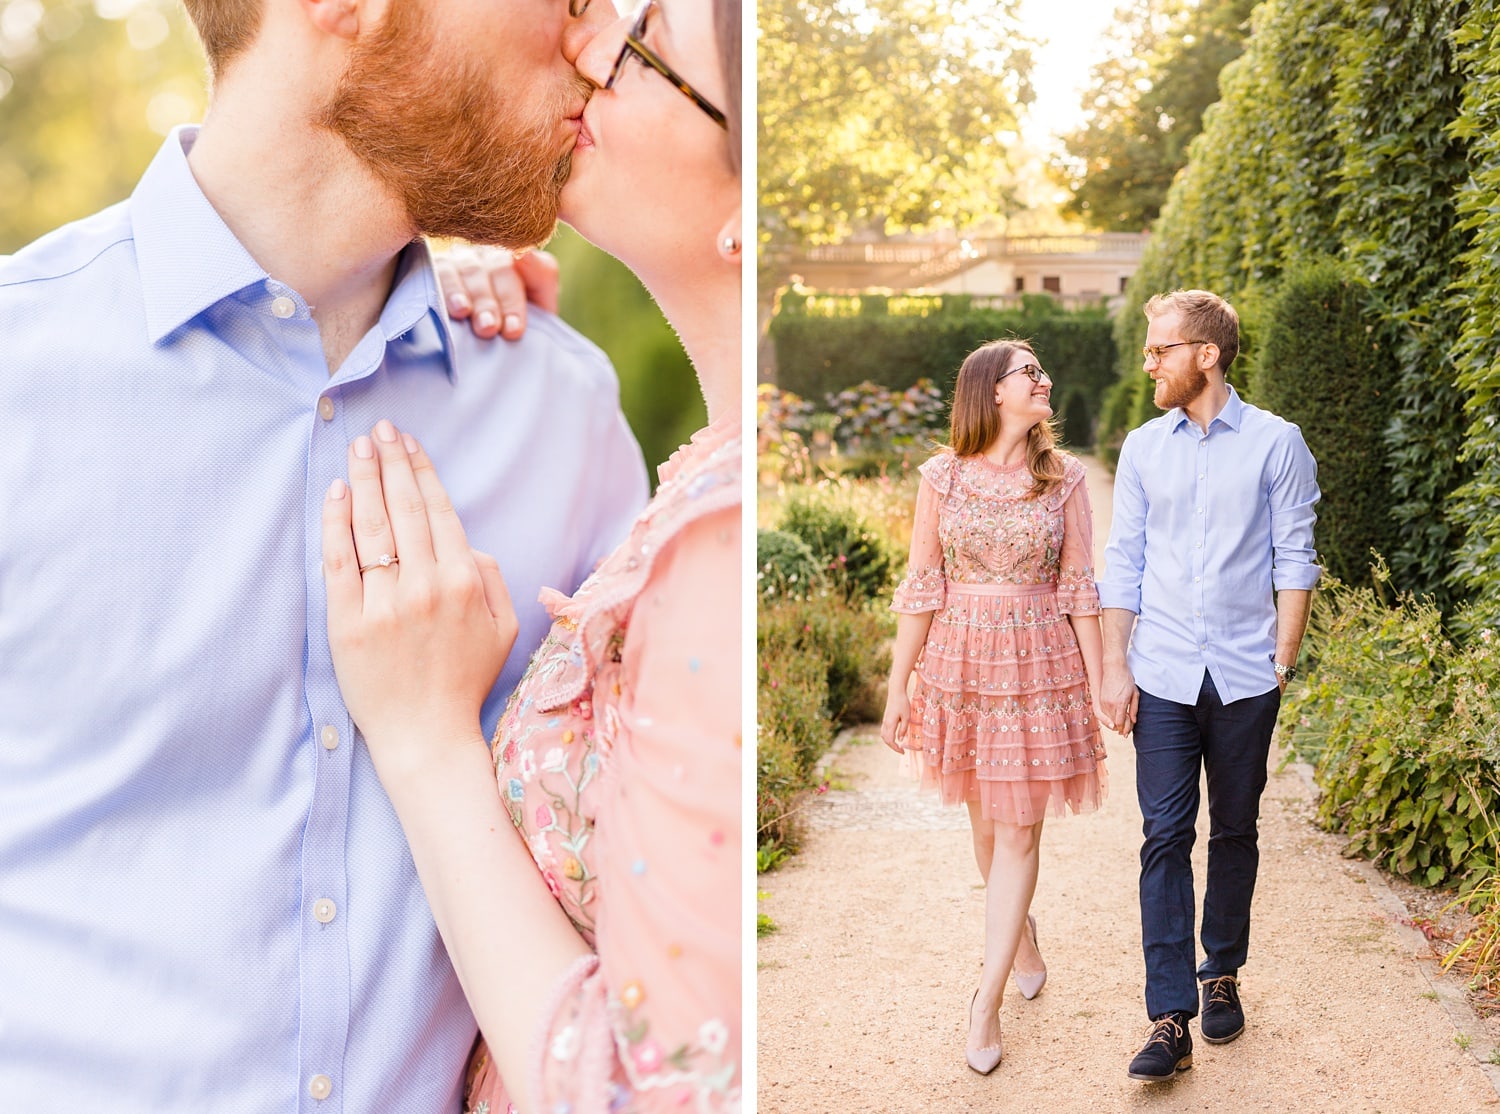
point(1031, 371)
point(635, 45)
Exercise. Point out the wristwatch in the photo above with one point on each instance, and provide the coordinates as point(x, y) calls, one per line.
point(1287, 673)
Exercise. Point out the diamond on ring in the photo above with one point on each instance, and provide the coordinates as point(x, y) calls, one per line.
point(384, 561)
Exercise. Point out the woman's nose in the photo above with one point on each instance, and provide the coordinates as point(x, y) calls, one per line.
point(582, 32)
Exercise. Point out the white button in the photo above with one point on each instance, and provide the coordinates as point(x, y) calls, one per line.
point(320, 1087)
point(1200, 510)
point(284, 307)
point(1197, 545)
point(330, 737)
point(1201, 477)
point(325, 408)
point(1197, 579)
point(1203, 645)
point(324, 910)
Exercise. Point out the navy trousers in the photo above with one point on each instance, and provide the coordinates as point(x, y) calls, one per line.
point(1172, 743)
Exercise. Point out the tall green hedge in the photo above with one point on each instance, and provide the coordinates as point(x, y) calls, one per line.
point(818, 356)
point(1352, 128)
point(1476, 301)
point(1324, 366)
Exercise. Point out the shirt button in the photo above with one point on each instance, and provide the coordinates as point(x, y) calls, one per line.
point(1197, 545)
point(1196, 580)
point(324, 910)
point(330, 737)
point(1200, 510)
point(320, 1087)
point(284, 307)
point(325, 408)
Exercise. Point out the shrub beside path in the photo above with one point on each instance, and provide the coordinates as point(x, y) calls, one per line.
point(863, 989)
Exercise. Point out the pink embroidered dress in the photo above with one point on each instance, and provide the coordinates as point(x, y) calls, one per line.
point(618, 758)
point(1001, 713)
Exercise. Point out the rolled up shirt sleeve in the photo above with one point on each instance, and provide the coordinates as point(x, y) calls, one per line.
point(1293, 494)
point(1125, 553)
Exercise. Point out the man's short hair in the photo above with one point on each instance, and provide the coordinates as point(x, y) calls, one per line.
point(225, 27)
point(1205, 316)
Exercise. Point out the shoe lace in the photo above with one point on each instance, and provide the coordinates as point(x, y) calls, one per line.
point(1167, 1031)
point(1223, 990)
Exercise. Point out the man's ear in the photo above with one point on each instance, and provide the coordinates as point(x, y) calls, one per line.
point(336, 17)
point(1208, 355)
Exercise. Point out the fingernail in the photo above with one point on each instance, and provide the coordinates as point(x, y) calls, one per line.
point(385, 431)
point(485, 320)
point(363, 448)
point(457, 303)
point(512, 322)
point(338, 489)
point(410, 442)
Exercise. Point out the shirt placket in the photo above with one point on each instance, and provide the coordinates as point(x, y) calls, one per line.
point(324, 961)
point(1200, 544)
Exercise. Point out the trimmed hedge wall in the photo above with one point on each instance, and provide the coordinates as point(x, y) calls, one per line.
point(1339, 133)
point(1323, 365)
point(818, 356)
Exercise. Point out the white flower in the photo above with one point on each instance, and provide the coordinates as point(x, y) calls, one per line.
point(541, 849)
point(565, 1044)
point(555, 761)
point(528, 765)
point(713, 1035)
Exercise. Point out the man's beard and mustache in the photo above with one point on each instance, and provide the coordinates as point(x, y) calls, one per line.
point(1181, 390)
point(434, 132)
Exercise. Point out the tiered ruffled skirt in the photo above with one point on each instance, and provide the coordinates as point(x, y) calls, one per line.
point(1001, 714)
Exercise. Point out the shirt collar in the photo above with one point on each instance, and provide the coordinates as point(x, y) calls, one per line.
point(189, 260)
point(1231, 415)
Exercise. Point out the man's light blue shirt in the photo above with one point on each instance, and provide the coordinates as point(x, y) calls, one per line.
point(1205, 526)
point(206, 901)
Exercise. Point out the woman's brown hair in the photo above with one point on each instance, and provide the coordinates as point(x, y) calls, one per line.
point(975, 422)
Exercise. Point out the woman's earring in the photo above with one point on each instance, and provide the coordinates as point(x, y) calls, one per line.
point(729, 247)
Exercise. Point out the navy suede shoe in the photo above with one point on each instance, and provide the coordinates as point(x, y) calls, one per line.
point(1222, 1018)
point(1167, 1051)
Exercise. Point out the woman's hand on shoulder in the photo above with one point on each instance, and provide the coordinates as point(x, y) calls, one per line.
point(420, 635)
point(490, 287)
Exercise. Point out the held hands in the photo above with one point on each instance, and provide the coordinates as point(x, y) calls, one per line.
point(419, 638)
point(1117, 699)
point(489, 287)
point(897, 718)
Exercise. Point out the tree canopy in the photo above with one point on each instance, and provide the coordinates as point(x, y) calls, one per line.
point(891, 115)
point(1145, 104)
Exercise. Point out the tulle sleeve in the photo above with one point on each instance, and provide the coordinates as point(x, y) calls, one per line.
point(1076, 591)
point(922, 588)
point(653, 1024)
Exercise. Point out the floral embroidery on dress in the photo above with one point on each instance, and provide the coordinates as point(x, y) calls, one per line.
point(1001, 713)
point(553, 751)
point(699, 1065)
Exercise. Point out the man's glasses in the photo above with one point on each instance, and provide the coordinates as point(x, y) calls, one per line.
point(635, 45)
point(1154, 351)
point(1031, 371)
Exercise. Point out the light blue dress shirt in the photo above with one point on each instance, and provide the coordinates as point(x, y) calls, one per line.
point(1205, 525)
point(206, 902)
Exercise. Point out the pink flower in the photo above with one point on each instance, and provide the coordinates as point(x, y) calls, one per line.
point(544, 816)
point(648, 1056)
point(552, 883)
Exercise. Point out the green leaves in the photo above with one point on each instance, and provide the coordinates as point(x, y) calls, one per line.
point(1400, 722)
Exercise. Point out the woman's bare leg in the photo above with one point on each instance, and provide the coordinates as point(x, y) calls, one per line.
point(1008, 891)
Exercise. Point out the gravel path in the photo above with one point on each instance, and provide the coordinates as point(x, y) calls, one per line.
point(862, 991)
